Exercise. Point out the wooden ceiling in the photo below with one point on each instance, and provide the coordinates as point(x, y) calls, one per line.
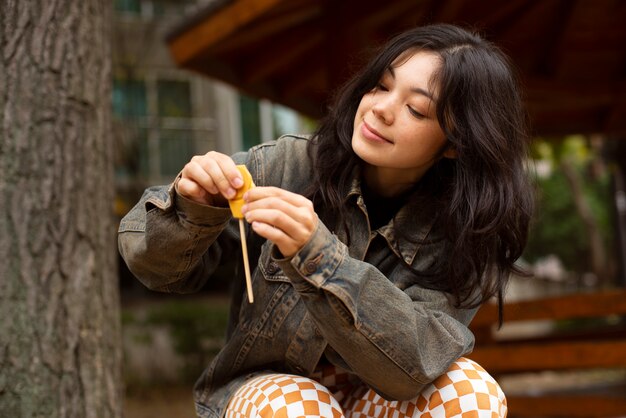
point(571, 54)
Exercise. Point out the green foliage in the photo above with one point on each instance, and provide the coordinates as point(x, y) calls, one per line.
point(127, 317)
point(598, 194)
point(197, 329)
point(191, 318)
point(558, 228)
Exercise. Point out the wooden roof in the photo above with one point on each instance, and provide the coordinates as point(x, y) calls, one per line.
point(571, 54)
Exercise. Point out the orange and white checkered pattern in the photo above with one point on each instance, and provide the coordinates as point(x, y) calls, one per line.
point(283, 396)
point(466, 390)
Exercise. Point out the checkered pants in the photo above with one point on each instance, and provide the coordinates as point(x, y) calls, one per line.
point(466, 390)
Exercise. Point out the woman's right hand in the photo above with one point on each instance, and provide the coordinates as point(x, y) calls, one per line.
point(210, 179)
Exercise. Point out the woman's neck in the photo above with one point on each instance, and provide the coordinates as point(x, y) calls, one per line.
point(389, 182)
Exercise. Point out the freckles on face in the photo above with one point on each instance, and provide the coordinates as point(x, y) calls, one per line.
point(396, 126)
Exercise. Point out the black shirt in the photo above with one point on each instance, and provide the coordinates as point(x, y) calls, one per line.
point(380, 209)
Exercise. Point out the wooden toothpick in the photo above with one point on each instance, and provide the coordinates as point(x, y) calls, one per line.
point(246, 264)
point(235, 207)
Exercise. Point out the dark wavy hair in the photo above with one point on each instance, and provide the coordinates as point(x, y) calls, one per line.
point(485, 193)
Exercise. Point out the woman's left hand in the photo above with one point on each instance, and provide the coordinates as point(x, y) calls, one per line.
point(285, 218)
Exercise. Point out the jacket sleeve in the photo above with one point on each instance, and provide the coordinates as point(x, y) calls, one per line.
point(396, 341)
point(172, 244)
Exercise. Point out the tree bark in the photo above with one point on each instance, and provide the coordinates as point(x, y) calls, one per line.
point(59, 302)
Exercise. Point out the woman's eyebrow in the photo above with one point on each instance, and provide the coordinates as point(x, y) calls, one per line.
point(417, 90)
point(423, 92)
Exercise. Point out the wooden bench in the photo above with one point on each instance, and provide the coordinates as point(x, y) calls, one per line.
point(588, 331)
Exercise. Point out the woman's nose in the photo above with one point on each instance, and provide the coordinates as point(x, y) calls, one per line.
point(383, 110)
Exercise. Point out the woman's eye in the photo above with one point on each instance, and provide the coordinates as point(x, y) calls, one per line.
point(416, 113)
point(381, 86)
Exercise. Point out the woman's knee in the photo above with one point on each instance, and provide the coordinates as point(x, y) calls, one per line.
point(465, 388)
point(282, 395)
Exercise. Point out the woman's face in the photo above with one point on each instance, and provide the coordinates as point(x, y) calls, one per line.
point(396, 131)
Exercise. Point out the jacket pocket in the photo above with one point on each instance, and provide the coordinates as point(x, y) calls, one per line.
point(274, 298)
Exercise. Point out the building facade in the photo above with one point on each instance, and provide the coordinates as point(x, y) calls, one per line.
point(164, 115)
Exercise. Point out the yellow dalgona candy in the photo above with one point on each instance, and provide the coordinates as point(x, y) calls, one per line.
point(237, 202)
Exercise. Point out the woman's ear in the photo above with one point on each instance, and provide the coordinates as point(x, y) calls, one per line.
point(450, 152)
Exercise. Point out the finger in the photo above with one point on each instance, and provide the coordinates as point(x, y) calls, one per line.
point(229, 169)
point(192, 190)
point(218, 177)
point(298, 208)
point(295, 199)
point(304, 215)
point(287, 246)
point(297, 231)
point(221, 171)
point(194, 171)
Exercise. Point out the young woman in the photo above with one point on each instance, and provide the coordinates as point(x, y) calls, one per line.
point(373, 242)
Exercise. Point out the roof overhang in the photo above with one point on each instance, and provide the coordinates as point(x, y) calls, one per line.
point(570, 54)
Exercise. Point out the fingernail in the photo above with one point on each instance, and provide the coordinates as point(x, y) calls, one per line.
point(244, 209)
point(230, 193)
point(237, 182)
point(245, 197)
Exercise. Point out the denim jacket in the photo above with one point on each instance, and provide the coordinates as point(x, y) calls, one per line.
point(359, 304)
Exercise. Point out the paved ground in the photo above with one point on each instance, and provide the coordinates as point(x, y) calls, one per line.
point(171, 402)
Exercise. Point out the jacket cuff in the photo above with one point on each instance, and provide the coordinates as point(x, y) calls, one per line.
point(317, 260)
point(199, 215)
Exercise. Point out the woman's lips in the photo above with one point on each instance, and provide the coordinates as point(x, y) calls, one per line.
point(372, 134)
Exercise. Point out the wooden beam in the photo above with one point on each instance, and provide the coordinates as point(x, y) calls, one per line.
point(422, 15)
point(501, 19)
point(389, 13)
point(514, 358)
point(293, 84)
point(216, 27)
point(338, 42)
point(616, 117)
point(574, 406)
point(283, 51)
point(551, 55)
point(447, 11)
point(272, 25)
point(594, 39)
point(564, 307)
point(544, 88)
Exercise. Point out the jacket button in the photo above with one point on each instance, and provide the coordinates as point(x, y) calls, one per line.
point(272, 268)
point(310, 267)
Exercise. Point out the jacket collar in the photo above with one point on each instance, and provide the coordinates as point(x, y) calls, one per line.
point(415, 219)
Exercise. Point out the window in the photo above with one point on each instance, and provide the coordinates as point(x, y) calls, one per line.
point(128, 6)
point(155, 127)
point(175, 150)
point(129, 98)
point(250, 121)
point(143, 152)
point(174, 98)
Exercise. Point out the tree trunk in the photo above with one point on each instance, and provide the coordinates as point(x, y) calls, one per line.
point(597, 250)
point(59, 303)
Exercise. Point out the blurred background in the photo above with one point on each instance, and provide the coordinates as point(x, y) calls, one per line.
point(162, 116)
point(193, 76)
